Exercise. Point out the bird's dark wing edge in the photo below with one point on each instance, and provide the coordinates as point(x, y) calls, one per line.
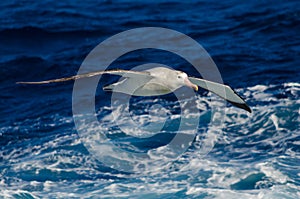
point(223, 91)
point(124, 73)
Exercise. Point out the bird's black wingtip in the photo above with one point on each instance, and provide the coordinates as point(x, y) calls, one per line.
point(242, 106)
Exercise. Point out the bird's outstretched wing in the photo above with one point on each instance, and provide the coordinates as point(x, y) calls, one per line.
point(124, 73)
point(223, 91)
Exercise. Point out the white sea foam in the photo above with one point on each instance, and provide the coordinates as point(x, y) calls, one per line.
point(249, 144)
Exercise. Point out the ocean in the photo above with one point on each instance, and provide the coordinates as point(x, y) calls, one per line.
point(232, 154)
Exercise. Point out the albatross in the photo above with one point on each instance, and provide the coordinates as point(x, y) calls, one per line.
point(157, 81)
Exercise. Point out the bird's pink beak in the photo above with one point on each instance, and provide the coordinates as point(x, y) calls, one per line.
point(190, 84)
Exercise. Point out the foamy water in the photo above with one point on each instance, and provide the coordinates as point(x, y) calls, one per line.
point(254, 155)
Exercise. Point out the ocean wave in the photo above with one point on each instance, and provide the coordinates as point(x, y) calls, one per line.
point(254, 44)
point(251, 156)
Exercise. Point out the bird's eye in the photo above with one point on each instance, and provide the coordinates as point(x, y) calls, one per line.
point(179, 77)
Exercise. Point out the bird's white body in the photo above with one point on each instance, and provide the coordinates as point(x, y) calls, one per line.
point(157, 82)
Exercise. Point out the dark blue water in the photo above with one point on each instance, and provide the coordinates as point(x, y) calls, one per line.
point(256, 46)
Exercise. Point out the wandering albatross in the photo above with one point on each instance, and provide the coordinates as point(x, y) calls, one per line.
point(157, 81)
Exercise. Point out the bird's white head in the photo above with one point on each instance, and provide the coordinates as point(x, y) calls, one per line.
point(183, 80)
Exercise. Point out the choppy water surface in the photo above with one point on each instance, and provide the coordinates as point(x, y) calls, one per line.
point(256, 48)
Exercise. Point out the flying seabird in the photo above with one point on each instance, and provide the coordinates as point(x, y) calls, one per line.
point(157, 81)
